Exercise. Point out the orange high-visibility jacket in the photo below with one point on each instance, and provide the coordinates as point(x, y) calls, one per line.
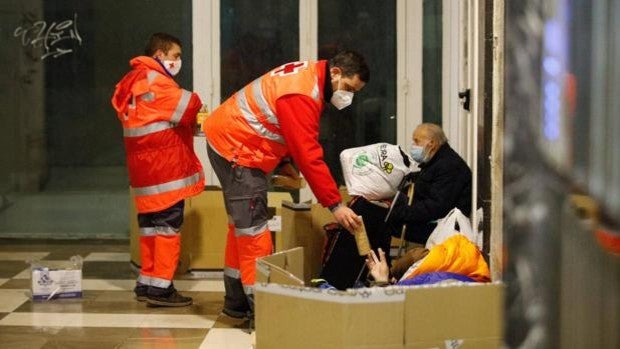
point(274, 116)
point(158, 119)
point(245, 128)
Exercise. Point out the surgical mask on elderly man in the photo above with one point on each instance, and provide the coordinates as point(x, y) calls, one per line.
point(417, 153)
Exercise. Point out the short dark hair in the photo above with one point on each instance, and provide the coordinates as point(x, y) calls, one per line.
point(160, 41)
point(351, 63)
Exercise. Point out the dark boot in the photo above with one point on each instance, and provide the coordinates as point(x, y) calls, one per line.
point(250, 314)
point(166, 297)
point(235, 301)
point(140, 291)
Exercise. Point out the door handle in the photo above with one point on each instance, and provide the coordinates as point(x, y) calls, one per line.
point(467, 96)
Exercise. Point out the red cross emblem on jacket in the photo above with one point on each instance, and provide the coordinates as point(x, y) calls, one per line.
point(289, 68)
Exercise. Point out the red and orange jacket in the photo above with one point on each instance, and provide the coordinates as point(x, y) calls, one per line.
point(275, 116)
point(158, 119)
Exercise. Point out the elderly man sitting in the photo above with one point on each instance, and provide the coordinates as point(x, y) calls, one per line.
point(443, 182)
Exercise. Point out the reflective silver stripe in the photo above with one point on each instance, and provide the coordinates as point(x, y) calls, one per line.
point(315, 89)
point(148, 129)
point(181, 107)
point(153, 281)
point(251, 231)
point(152, 231)
point(149, 231)
point(151, 75)
point(262, 103)
point(242, 103)
point(163, 283)
point(143, 279)
point(248, 289)
point(166, 231)
point(232, 273)
point(169, 186)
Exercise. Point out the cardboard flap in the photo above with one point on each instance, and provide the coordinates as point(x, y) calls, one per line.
point(285, 268)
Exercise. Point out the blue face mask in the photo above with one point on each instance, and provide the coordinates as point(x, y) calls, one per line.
point(417, 153)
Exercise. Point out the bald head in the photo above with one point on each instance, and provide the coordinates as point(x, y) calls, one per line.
point(429, 136)
point(431, 132)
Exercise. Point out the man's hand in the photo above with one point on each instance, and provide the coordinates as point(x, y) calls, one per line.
point(347, 218)
point(378, 267)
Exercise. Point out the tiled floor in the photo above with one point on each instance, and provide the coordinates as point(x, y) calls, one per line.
point(107, 316)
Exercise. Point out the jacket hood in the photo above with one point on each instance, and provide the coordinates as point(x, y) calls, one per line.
point(130, 84)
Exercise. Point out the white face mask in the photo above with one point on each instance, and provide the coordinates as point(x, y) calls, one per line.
point(173, 67)
point(341, 99)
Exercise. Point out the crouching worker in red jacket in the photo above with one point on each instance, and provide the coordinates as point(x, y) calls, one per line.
point(158, 119)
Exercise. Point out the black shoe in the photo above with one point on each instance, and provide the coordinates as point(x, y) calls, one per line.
point(238, 314)
point(140, 291)
point(158, 297)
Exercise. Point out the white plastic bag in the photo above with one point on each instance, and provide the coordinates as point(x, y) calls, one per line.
point(374, 171)
point(446, 228)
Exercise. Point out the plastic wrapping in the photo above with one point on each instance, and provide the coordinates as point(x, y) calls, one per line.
point(374, 171)
point(56, 279)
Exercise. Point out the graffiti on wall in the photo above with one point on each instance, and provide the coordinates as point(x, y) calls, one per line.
point(53, 38)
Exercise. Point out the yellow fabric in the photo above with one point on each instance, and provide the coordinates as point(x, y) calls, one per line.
point(455, 255)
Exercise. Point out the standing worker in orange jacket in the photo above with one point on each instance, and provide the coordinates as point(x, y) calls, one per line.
point(158, 119)
point(275, 117)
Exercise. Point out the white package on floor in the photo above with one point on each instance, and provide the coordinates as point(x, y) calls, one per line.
point(374, 171)
point(56, 279)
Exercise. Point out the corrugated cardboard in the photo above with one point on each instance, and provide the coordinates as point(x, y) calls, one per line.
point(203, 235)
point(283, 268)
point(302, 226)
point(310, 318)
point(441, 316)
point(459, 316)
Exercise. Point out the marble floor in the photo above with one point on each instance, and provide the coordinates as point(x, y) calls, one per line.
point(107, 316)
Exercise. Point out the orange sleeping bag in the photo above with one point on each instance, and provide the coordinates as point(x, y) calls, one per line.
point(455, 255)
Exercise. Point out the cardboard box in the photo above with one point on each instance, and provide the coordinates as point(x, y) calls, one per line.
point(302, 226)
point(460, 316)
point(309, 318)
point(203, 235)
point(442, 316)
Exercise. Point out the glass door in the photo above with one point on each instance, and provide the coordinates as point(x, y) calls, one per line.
point(63, 164)
point(368, 27)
